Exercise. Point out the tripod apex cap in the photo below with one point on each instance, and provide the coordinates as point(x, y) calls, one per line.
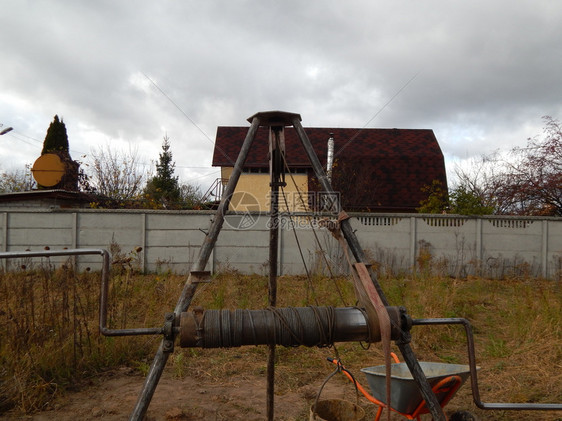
point(275, 118)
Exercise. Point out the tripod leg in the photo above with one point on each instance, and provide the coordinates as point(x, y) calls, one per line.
point(161, 357)
point(353, 243)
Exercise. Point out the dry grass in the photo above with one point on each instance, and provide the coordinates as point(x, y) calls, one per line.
point(50, 343)
point(516, 323)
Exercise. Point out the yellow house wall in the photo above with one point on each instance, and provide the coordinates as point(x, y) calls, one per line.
point(252, 192)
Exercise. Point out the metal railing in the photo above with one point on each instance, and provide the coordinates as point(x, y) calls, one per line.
point(104, 287)
point(473, 370)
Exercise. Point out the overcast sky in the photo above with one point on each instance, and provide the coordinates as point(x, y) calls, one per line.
point(481, 74)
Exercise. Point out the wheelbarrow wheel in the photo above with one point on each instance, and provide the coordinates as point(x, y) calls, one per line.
point(463, 416)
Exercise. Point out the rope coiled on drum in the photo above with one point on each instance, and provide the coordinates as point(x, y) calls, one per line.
point(308, 326)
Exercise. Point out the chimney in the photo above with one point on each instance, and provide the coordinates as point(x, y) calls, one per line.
point(330, 158)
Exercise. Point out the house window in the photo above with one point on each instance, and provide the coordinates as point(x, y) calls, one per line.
point(255, 170)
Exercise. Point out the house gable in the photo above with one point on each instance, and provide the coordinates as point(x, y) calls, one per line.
point(374, 169)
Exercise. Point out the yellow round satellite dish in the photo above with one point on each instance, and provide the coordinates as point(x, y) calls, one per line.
point(48, 170)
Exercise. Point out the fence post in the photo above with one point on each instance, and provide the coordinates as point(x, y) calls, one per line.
point(544, 250)
point(478, 246)
point(143, 241)
point(4, 231)
point(413, 240)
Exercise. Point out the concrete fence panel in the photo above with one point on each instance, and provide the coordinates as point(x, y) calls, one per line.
point(490, 246)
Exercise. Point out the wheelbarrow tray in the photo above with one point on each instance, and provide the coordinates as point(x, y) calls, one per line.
point(405, 396)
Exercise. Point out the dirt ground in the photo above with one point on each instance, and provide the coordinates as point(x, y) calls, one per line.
point(113, 396)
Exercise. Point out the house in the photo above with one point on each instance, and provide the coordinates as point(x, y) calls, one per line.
point(374, 170)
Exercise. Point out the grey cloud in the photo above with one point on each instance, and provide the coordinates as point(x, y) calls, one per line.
point(486, 71)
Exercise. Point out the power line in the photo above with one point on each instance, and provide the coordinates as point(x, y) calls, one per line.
point(192, 122)
point(178, 107)
point(18, 136)
point(21, 140)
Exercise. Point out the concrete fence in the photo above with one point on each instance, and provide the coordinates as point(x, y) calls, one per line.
point(169, 240)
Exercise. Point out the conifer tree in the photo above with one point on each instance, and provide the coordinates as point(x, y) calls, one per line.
point(56, 142)
point(164, 188)
point(56, 139)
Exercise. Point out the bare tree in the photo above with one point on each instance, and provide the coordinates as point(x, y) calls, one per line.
point(479, 179)
point(528, 181)
point(532, 182)
point(117, 175)
point(17, 180)
point(190, 196)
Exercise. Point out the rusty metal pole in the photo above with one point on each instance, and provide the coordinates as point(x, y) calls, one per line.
point(161, 357)
point(276, 151)
point(407, 352)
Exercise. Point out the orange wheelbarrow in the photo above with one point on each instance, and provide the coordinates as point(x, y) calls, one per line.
point(405, 399)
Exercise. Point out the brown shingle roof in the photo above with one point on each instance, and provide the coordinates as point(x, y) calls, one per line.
point(384, 169)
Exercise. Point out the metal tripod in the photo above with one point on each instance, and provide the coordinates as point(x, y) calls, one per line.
point(276, 121)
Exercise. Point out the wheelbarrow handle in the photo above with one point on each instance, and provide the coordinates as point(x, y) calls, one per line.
point(357, 384)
